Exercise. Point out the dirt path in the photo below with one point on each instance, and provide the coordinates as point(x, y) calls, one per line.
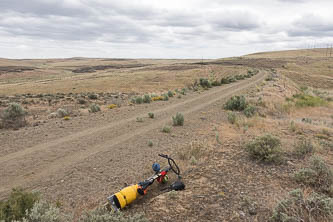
point(33, 161)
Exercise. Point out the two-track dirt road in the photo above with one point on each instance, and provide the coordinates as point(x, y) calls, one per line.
point(93, 155)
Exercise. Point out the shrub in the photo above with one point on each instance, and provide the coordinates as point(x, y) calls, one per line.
point(81, 101)
point(231, 79)
point(249, 111)
point(297, 207)
point(232, 118)
point(225, 81)
point(17, 205)
point(103, 215)
point(166, 129)
point(165, 97)
point(304, 100)
point(318, 175)
point(239, 77)
point(146, 98)
point(216, 83)
point(265, 148)
point(151, 115)
point(156, 98)
point(139, 119)
point(183, 91)
point(67, 118)
point(178, 120)
point(150, 143)
point(94, 108)
point(112, 106)
point(170, 93)
point(236, 103)
point(92, 96)
point(139, 100)
point(62, 113)
point(205, 83)
point(303, 147)
point(13, 116)
point(44, 212)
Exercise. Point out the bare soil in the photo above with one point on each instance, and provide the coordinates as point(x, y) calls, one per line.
point(82, 161)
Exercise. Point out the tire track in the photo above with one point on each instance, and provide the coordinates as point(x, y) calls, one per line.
point(59, 165)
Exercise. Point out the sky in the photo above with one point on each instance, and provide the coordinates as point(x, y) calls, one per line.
point(161, 29)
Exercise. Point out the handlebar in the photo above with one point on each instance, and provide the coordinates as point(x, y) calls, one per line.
point(173, 166)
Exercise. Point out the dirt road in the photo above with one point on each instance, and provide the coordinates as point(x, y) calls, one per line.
point(94, 155)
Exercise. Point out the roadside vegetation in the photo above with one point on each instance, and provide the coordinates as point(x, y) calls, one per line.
point(13, 117)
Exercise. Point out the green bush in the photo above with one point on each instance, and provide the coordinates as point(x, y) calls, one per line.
point(231, 79)
point(44, 212)
point(297, 207)
point(318, 175)
point(94, 108)
point(146, 98)
point(304, 100)
point(103, 215)
point(18, 203)
point(232, 118)
point(81, 101)
point(216, 83)
point(165, 97)
point(178, 120)
point(225, 81)
point(13, 116)
point(151, 115)
point(92, 96)
point(166, 129)
point(205, 83)
point(139, 100)
point(265, 148)
point(183, 91)
point(249, 111)
point(139, 119)
point(150, 143)
point(303, 147)
point(170, 93)
point(237, 103)
point(239, 77)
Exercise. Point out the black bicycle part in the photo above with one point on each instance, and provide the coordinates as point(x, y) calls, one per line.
point(174, 167)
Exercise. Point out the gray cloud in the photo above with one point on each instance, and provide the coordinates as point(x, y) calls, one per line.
point(311, 26)
point(42, 8)
point(161, 27)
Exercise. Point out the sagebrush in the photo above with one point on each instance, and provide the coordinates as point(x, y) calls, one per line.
point(265, 148)
point(13, 116)
point(300, 208)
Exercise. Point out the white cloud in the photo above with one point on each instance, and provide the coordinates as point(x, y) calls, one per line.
point(161, 29)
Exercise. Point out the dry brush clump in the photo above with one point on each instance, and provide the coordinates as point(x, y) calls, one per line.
point(178, 120)
point(303, 148)
point(103, 215)
point(151, 115)
point(236, 103)
point(298, 207)
point(94, 108)
point(146, 98)
point(61, 113)
point(18, 204)
point(13, 117)
point(43, 211)
point(265, 148)
point(318, 175)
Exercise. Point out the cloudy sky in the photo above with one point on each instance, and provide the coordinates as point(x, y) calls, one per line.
point(160, 29)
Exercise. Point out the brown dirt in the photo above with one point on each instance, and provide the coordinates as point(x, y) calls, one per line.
point(82, 161)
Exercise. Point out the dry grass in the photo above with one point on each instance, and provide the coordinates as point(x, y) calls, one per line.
point(51, 76)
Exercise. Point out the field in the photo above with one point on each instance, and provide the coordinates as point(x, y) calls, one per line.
point(77, 160)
